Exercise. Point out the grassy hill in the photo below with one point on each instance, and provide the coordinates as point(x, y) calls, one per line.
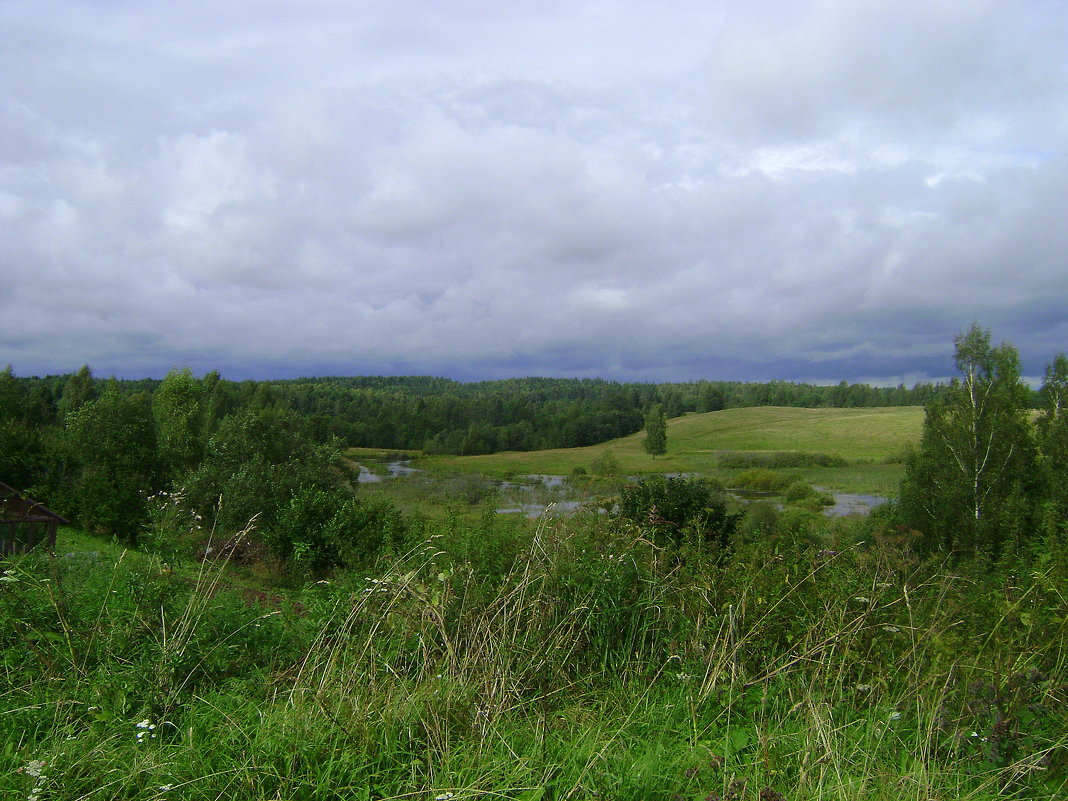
point(870, 440)
point(853, 434)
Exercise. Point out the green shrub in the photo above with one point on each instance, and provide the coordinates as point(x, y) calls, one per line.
point(605, 464)
point(322, 529)
point(761, 479)
point(761, 519)
point(805, 495)
point(674, 509)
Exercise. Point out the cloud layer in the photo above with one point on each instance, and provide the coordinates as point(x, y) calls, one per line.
point(818, 191)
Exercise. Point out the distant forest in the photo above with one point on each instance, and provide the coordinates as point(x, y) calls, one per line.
point(442, 416)
point(114, 454)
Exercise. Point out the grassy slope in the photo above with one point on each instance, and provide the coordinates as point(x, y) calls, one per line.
point(592, 669)
point(864, 437)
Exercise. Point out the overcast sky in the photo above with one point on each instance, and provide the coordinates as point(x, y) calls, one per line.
point(721, 189)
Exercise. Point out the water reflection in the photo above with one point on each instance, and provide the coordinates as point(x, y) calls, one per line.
point(852, 504)
point(393, 470)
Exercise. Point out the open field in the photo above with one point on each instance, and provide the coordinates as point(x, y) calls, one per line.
point(870, 440)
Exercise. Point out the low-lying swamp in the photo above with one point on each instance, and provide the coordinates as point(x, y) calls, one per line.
point(538, 495)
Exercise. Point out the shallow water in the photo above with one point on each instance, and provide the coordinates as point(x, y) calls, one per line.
point(551, 495)
point(535, 510)
point(396, 470)
point(846, 503)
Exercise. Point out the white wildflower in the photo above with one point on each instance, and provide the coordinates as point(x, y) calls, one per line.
point(34, 768)
point(148, 730)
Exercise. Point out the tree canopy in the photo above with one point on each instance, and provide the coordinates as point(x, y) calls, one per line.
point(965, 487)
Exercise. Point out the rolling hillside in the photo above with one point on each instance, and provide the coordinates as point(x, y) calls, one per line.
point(869, 439)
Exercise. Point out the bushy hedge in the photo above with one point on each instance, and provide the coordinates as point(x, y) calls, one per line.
point(741, 460)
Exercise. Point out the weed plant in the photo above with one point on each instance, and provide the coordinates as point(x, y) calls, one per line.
point(572, 659)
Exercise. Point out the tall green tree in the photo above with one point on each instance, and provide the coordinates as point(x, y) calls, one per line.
point(655, 431)
point(1052, 440)
point(78, 391)
point(965, 488)
point(112, 443)
point(21, 451)
point(253, 464)
point(176, 408)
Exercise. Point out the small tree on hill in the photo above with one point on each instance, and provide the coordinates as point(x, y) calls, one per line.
point(655, 431)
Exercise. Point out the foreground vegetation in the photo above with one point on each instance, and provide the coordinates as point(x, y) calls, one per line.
point(574, 658)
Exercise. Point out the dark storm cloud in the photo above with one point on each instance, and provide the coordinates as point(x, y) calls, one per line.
point(811, 191)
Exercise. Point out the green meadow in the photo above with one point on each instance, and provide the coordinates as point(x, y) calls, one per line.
point(870, 444)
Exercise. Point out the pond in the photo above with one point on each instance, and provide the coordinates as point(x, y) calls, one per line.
point(550, 495)
point(537, 496)
point(846, 503)
point(393, 470)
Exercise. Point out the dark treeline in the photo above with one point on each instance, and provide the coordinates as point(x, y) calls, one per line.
point(439, 415)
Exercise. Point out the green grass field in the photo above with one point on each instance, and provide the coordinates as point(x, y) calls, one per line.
point(870, 440)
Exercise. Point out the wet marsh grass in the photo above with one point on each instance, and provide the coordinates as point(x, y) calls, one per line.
point(582, 662)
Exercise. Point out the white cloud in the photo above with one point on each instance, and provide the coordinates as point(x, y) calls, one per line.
point(770, 189)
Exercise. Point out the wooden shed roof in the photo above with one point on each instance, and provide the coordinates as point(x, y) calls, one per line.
point(18, 507)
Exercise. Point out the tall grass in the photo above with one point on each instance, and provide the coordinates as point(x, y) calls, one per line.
point(581, 661)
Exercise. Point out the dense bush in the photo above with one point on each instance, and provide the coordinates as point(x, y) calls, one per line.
point(677, 509)
point(761, 479)
point(322, 529)
point(801, 494)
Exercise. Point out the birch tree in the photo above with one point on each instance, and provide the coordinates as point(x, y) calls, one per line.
point(176, 408)
point(1052, 437)
point(965, 488)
